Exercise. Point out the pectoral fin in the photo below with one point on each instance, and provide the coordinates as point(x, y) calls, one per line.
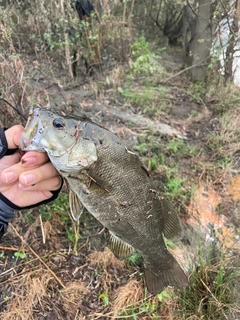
point(76, 206)
point(120, 249)
point(172, 225)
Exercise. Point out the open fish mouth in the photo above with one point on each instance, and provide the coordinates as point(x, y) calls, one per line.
point(32, 133)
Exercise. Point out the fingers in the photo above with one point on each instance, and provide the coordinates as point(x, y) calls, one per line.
point(36, 175)
point(31, 160)
point(13, 136)
point(52, 184)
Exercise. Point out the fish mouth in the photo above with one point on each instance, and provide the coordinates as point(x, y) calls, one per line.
point(32, 132)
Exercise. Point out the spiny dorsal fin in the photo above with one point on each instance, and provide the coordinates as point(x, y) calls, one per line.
point(172, 225)
point(76, 206)
point(120, 249)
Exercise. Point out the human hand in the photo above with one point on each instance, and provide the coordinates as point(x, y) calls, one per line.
point(27, 179)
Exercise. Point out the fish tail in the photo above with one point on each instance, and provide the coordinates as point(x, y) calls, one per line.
point(173, 275)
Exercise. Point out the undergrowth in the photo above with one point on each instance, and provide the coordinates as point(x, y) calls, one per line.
point(212, 292)
point(96, 283)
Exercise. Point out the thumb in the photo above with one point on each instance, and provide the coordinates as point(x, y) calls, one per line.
point(13, 136)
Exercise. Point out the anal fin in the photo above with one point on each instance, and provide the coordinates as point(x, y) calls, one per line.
point(76, 206)
point(119, 248)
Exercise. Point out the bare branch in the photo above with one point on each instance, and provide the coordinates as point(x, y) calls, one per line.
point(15, 109)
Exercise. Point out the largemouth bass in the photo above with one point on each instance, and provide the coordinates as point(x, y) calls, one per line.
point(109, 180)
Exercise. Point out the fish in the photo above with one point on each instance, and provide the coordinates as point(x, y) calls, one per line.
point(105, 177)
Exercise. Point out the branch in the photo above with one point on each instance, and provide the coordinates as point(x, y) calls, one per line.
point(186, 69)
point(15, 109)
point(38, 257)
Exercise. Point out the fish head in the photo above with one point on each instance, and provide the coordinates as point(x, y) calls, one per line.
point(61, 137)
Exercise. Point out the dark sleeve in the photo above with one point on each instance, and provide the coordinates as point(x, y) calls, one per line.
point(6, 215)
point(7, 209)
point(4, 151)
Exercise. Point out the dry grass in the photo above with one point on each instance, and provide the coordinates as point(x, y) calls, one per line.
point(230, 131)
point(105, 259)
point(130, 294)
point(72, 296)
point(108, 267)
point(27, 292)
point(31, 293)
point(132, 302)
point(14, 89)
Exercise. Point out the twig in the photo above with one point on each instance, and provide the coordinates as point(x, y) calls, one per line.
point(25, 118)
point(9, 248)
point(191, 8)
point(39, 258)
point(218, 303)
point(42, 229)
point(186, 69)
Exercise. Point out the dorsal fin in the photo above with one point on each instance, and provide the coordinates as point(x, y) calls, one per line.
point(172, 225)
point(119, 248)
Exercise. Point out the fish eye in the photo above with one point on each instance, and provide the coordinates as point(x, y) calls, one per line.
point(58, 123)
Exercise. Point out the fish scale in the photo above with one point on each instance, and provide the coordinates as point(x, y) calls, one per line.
point(105, 177)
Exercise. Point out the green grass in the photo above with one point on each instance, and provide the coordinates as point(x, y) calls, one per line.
point(149, 307)
point(211, 293)
point(59, 207)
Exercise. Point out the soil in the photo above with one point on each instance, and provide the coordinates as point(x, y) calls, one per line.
point(54, 281)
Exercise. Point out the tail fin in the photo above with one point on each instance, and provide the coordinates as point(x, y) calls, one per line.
point(171, 276)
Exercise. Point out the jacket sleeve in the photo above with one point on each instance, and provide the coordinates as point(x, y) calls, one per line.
point(6, 215)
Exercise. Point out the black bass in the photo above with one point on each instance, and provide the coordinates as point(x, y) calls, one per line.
point(109, 180)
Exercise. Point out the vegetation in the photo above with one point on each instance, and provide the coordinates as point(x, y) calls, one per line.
point(127, 57)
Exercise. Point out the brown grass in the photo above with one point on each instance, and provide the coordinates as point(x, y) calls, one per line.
point(28, 291)
point(72, 296)
point(108, 266)
point(105, 259)
point(130, 294)
point(230, 131)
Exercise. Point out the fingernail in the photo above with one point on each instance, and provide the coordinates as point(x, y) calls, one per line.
point(21, 186)
point(10, 177)
point(28, 178)
point(28, 161)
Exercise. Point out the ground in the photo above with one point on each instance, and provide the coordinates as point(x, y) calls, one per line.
point(46, 274)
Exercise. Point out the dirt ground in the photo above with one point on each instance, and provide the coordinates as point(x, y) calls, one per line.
point(54, 280)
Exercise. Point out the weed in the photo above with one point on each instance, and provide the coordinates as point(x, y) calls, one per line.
point(197, 92)
point(194, 113)
point(178, 147)
point(174, 185)
point(163, 295)
point(46, 213)
point(19, 254)
point(135, 260)
point(61, 207)
point(146, 62)
point(105, 298)
point(211, 293)
point(141, 305)
point(169, 243)
point(153, 163)
point(151, 101)
point(141, 148)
